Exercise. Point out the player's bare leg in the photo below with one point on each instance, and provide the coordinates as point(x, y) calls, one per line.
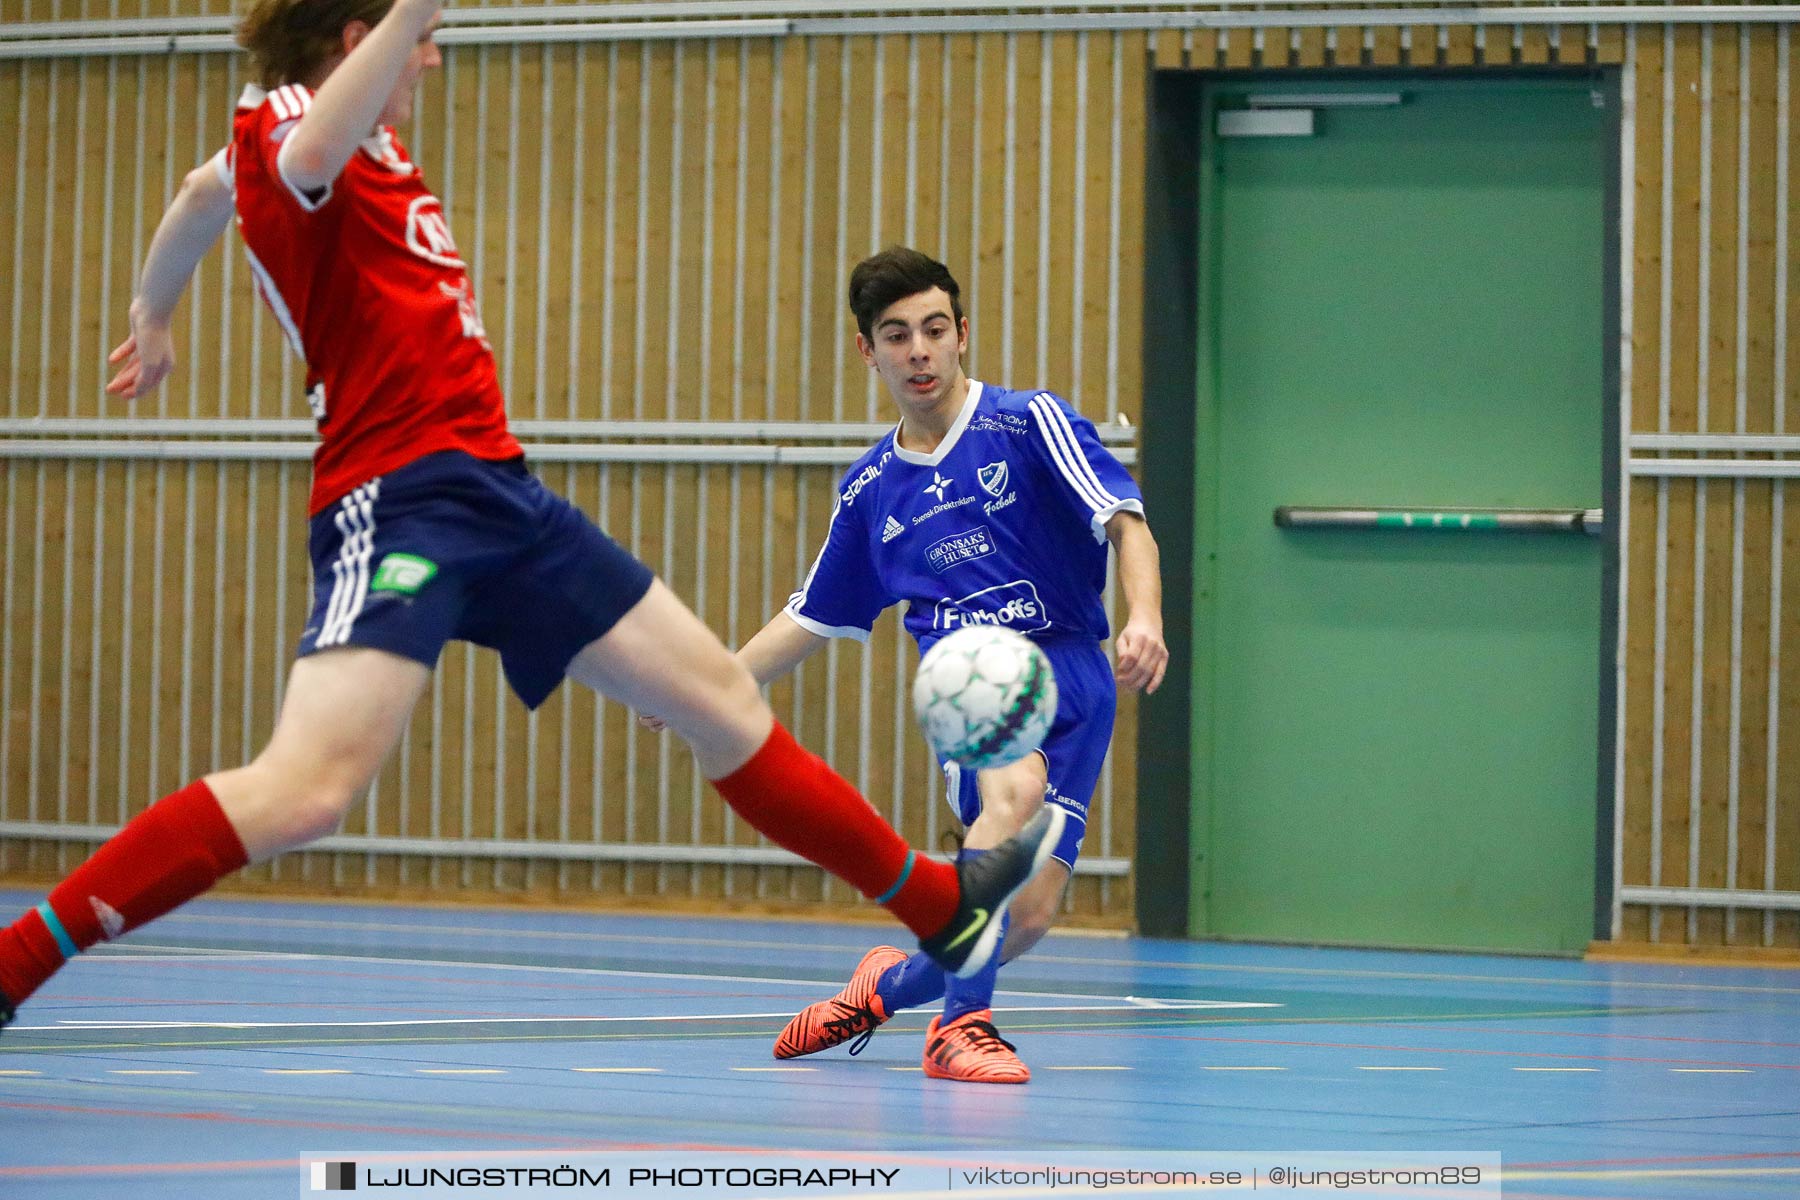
point(342, 715)
point(660, 658)
point(343, 712)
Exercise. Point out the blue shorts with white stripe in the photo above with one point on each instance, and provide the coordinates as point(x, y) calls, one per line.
point(1075, 748)
point(452, 547)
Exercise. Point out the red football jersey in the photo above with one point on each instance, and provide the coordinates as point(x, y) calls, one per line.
point(370, 290)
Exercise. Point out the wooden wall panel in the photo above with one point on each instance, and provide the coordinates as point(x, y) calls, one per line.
point(684, 254)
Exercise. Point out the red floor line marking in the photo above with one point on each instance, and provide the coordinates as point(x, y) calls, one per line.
point(289, 1123)
point(87, 1169)
point(77, 1170)
point(1191, 1037)
point(262, 968)
point(1632, 1037)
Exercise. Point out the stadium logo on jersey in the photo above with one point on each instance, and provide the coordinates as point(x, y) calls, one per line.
point(428, 235)
point(959, 548)
point(938, 486)
point(864, 478)
point(891, 530)
point(1013, 605)
point(994, 477)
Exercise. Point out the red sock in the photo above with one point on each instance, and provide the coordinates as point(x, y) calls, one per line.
point(174, 850)
point(792, 798)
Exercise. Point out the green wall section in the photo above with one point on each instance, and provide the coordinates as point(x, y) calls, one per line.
point(1401, 727)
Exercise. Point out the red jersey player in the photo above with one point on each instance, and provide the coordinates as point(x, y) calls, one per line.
point(427, 526)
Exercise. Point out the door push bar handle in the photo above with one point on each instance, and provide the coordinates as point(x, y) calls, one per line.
point(1457, 520)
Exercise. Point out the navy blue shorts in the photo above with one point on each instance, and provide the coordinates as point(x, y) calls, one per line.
point(450, 546)
point(1074, 750)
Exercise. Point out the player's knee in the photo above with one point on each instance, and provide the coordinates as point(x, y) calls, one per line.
point(312, 814)
point(1015, 807)
point(280, 812)
point(738, 694)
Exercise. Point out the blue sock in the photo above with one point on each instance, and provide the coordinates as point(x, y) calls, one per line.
point(909, 984)
point(964, 996)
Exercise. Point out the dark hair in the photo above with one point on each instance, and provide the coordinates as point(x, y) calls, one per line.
point(289, 40)
point(895, 274)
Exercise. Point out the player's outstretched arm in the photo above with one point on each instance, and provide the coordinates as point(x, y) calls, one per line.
point(196, 217)
point(347, 105)
point(1141, 656)
point(777, 648)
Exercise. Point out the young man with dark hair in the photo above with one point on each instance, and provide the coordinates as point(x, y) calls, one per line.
point(983, 506)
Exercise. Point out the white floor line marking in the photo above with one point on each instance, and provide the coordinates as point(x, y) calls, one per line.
point(129, 952)
point(679, 976)
point(21, 1072)
point(95, 1026)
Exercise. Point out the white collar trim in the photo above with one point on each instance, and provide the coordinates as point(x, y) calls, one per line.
point(950, 439)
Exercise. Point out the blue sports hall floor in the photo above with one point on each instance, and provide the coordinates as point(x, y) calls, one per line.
point(207, 1055)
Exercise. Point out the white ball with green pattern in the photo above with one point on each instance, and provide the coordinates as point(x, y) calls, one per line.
point(985, 696)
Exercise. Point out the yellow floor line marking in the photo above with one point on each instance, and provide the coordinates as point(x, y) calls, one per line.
point(151, 1072)
point(300, 1071)
point(1243, 1068)
point(1400, 1068)
point(1083, 1068)
point(1557, 1070)
point(618, 1070)
point(1709, 1070)
point(773, 1070)
point(461, 1071)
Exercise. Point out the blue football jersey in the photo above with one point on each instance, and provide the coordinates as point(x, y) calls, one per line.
point(1003, 524)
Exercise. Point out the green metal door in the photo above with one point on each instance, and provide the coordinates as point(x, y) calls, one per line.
point(1406, 309)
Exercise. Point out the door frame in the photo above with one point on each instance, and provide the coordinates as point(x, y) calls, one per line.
point(1181, 405)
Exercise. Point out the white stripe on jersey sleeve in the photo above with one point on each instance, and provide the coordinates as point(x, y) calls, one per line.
point(854, 632)
point(1065, 451)
point(289, 103)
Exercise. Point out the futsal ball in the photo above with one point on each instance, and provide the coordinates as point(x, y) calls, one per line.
point(985, 696)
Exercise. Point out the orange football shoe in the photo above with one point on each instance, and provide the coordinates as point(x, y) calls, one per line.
point(856, 1012)
point(972, 1050)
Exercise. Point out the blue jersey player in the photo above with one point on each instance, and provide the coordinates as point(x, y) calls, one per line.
point(983, 506)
